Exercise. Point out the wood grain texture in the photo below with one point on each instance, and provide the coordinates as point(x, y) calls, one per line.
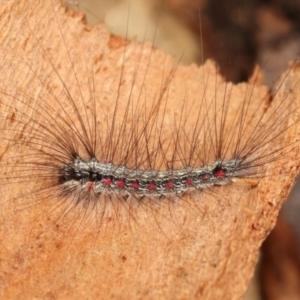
point(201, 250)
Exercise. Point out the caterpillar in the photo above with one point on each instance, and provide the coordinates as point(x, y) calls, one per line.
point(126, 146)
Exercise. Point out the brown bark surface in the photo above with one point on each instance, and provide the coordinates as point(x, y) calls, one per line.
point(204, 249)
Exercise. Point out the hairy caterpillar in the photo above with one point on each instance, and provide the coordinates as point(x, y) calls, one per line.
point(117, 114)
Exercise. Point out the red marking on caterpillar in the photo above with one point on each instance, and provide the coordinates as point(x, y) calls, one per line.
point(220, 173)
point(135, 185)
point(189, 182)
point(90, 186)
point(151, 187)
point(170, 185)
point(107, 181)
point(120, 184)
